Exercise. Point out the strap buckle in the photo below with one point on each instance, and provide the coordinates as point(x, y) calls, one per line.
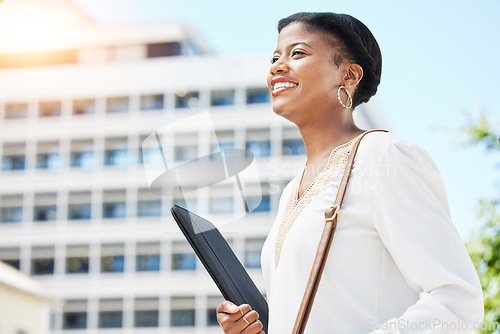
point(335, 213)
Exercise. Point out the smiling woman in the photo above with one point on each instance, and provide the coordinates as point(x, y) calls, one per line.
point(397, 264)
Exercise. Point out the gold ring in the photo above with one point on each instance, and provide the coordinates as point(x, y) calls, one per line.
point(242, 314)
point(246, 321)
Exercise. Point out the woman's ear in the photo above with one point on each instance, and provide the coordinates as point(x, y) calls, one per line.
point(353, 76)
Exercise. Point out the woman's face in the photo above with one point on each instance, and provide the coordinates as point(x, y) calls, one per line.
point(303, 79)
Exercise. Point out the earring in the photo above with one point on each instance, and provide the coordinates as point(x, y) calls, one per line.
point(348, 95)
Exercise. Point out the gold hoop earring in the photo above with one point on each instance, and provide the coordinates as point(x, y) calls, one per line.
point(348, 95)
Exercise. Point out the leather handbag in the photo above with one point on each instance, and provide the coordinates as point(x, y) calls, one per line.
point(325, 243)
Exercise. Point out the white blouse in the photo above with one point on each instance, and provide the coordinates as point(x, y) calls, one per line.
point(397, 263)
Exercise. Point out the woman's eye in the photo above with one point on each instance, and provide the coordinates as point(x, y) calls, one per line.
point(274, 59)
point(297, 52)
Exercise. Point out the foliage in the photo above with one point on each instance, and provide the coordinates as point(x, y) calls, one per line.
point(484, 246)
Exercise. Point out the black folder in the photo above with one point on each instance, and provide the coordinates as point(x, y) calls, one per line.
point(221, 263)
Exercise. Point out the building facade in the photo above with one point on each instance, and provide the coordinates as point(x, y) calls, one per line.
point(76, 209)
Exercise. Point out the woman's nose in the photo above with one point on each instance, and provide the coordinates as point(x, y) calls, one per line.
point(279, 66)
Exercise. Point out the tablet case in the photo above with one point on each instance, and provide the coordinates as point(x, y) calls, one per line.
point(221, 263)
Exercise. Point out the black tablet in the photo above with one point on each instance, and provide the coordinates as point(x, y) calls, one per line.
point(221, 263)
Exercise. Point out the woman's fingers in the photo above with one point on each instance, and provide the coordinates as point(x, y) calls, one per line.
point(238, 319)
point(227, 307)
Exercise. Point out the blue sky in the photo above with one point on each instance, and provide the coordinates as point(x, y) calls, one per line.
point(440, 62)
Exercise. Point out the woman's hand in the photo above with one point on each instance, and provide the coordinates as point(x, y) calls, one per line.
point(238, 319)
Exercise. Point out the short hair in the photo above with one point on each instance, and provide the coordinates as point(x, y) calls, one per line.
point(354, 41)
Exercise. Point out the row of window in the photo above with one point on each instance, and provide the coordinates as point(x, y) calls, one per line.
point(146, 313)
point(120, 104)
point(114, 206)
point(117, 153)
point(112, 259)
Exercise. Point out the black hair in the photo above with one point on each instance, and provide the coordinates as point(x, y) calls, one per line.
point(354, 42)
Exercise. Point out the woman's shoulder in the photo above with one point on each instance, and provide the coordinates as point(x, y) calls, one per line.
point(378, 145)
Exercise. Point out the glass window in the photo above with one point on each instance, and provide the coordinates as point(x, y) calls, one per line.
point(11, 256)
point(183, 261)
point(110, 313)
point(83, 106)
point(253, 248)
point(264, 205)
point(49, 108)
point(186, 152)
point(146, 312)
point(258, 95)
point(116, 157)
point(222, 97)
point(77, 265)
point(259, 148)
point(44, 213)
point(112, 259)
point(187, 99)
point(48, 161)
point(11, 214)
point(110, 319)
point(75, 314)
point(293, 147)
point(166, 49)
point(79, 211)
point(152, 102)
point(42, 262)
point(74, 320)
point(16, 110)
point(15, 263)
point(13, 162)
point(182, 318)
point(147, 262)
point(221, 205)
point(117, 104)
point(114, 210)
point(82, 154)
point(150, 208)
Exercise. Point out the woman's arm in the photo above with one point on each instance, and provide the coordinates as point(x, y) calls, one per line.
point(412, 218)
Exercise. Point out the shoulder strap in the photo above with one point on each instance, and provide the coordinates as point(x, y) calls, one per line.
point(325, 244)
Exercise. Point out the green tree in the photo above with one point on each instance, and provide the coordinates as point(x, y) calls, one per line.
point(484, 245)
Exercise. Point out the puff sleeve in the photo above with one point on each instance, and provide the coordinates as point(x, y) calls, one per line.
point(412, 218)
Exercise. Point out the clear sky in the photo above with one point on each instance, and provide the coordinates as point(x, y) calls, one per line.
point(441, 61)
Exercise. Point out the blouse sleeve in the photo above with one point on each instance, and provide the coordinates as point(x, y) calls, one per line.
point(412, 217)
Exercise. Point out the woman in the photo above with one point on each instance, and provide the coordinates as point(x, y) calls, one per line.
point(397, 264)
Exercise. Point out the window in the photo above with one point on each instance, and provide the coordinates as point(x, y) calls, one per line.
point(42, 262)
point(182, 312)
point(221, 205)
point(11, 256)
point(13, 157)
point(183, 257)
point(293, 147)
point(187, 99)
point(222, 97)
point(117, 104)
point(77, 259)
point(16, 110)
point(11, 214)
point(148, 257)
point(49, 108)
point(151, 208)
point(110, 313)
point(258, 142)
point(150, 152)
point(45, 208)
point(112, 259)
point(79, 206)
point(83, 106)
point(222, 141)
point(263, 206)
point(116, 152)
point(79, 211)
point(146, 312)
point(166, 49)
point(114, 205)
point(212, 303)
point(75, 314)
point(253, 248)
point(82, 154)
point(152, 102)
point(258, 95)
point(186, 146)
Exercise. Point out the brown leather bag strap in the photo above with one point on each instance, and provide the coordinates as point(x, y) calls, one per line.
point(325, 244)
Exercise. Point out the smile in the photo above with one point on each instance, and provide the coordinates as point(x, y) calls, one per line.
point(283, 85)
